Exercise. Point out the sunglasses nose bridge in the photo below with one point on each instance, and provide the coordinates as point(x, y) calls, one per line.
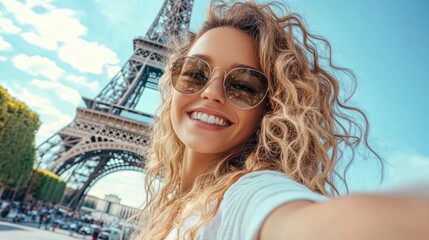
point(212, 74)
point(213, 89)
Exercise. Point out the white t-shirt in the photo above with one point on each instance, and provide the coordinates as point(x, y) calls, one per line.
point(247, 203)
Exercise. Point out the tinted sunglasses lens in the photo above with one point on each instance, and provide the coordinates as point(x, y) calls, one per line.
point(245, 88)
point(190, 75)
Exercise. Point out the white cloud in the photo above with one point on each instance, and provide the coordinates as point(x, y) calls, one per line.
point(128, 15)
point(112, 70)
point(65, 93)
point(45, 108)
point(406, 166)
point(402, 167)
point(53, 25)
point(81, 80)
point(87, 56)
point(43, 42)
point(59, 29)
point(36, 102)
point(50, 128)
point(110, 8)
point(40, 3)
point(3, 58)
point(38, 66)
point(128, 185)
point(4, 45)
point(7, 26)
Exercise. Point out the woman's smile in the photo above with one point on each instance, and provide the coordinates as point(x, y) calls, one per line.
point(209, 119)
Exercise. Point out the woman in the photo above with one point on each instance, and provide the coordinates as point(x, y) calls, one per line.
point(249, 131)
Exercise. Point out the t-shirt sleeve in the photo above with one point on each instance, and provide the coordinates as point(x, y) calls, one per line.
point(250, 200)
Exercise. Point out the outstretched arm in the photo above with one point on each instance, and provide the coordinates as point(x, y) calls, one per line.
point(350, 217)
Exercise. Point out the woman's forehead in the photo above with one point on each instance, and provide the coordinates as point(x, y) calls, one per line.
point(225, 46)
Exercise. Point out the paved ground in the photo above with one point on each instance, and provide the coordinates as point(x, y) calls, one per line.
point(29, 231)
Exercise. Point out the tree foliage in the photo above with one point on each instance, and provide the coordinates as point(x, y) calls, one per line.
point(47, 186)
point(18, 125)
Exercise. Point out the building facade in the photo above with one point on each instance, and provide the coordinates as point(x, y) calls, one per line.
point(108, 209)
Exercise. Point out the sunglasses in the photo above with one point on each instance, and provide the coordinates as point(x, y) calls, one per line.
point(244, 87)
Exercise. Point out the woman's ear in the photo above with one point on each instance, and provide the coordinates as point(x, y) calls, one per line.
point(190, 35)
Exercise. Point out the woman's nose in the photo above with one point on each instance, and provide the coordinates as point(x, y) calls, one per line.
point(214, 90)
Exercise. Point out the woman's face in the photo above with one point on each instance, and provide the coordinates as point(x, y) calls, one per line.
point(222, 48)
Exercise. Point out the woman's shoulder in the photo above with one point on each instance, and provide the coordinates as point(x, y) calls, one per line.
point(252, 197)
point(272, 183)
point(263, 174)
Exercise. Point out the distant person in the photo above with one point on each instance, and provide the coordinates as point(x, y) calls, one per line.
point(5, 211)
point(54, 225)
point(252, 127)
point(71, 226)
point(47, 220)
point(42, 218)
point(95, 234)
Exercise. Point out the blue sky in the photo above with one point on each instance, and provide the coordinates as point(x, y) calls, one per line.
point(54, 52)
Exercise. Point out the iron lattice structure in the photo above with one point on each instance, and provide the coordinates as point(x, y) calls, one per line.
point(108, 134)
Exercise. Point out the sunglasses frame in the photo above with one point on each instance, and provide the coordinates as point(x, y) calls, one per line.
point(224, 78)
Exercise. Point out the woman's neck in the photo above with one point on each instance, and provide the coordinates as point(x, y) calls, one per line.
point(194, 164)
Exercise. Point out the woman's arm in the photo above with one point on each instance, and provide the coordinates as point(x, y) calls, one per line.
point(350, 217)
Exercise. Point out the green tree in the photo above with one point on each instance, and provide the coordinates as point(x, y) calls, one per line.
point(18, 126)
point(47, 186)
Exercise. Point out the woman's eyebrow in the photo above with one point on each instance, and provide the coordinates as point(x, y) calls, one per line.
point(234, 65)
point(239, 65)
point(203, 57)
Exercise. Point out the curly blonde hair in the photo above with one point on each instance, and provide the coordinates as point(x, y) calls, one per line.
point(303, 132)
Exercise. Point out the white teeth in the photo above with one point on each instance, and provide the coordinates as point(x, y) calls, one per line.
point(210, 119)
point(204, 117)
point(222, 122)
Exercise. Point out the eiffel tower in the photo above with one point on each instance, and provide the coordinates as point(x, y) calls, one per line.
point(108, 134)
